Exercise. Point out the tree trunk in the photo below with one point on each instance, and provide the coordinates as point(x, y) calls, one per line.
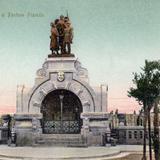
point(156, 132)
point(144, 137)
point(149, 135)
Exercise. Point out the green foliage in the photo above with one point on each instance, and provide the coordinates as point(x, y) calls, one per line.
point(146, 92)
point(147, 83)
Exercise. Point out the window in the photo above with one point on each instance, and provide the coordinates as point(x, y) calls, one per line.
point(130, 134)
point(141, 134)
point(135, 134)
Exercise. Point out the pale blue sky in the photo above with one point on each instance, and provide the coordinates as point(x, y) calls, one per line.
point(112, 38)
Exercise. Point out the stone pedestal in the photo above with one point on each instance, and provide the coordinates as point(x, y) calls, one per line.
point(27, 127)
point(62, 73)
point(61, 55)
point(96, 127)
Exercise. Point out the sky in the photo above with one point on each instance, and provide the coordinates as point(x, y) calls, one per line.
point(112, 39)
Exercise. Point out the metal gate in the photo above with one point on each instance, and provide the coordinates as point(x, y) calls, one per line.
point(65, 127)
point(61, 113)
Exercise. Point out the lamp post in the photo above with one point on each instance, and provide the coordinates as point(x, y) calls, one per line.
point(61, 103)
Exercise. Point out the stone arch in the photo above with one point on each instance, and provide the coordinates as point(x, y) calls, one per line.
point(61, 110)
point(82, 90)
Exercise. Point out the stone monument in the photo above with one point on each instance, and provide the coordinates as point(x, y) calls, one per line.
point(62, 108)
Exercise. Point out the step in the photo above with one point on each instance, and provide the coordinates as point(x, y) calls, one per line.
point(61, 135)
point(72, 140)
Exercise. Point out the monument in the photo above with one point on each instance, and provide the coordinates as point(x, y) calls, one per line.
point(61, 37)
point(62, 108)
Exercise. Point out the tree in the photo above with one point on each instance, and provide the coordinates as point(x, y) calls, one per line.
point(150, 70)
point(156, 131)
point(146, 91)
point(156, 87)
point(153, 102)
point(140, 94)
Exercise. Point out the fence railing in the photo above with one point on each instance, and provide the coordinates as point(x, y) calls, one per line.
point(61, 127)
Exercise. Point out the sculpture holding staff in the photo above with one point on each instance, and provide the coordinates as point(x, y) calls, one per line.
point(68, 37)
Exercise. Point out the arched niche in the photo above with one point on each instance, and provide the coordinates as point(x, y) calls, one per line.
point(61, 110)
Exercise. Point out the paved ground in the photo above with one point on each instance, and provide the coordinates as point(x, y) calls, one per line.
point(61, 153)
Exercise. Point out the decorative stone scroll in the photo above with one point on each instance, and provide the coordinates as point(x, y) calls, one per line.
point(74, 86)
point(42, 72)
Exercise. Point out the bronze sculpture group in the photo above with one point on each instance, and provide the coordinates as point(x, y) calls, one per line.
point(61, 36)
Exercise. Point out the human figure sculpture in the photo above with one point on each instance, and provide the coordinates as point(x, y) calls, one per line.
point(54, 39)
point(61, 36)
point(60, 27)
point(68, 37)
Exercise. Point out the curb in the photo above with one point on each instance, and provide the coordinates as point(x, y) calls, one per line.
point(62, 158)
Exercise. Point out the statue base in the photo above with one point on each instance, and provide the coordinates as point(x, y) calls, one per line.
point(61, 55)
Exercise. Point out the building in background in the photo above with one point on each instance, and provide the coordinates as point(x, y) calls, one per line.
point(128, 128)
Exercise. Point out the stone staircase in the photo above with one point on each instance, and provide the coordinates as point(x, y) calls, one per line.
point(64, 140)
